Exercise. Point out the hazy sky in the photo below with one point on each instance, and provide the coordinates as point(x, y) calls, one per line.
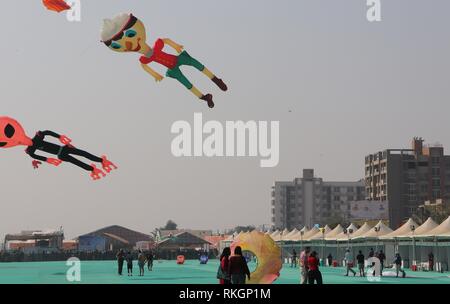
point(353, 87)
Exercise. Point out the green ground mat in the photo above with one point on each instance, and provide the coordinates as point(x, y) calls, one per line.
point(168, 272)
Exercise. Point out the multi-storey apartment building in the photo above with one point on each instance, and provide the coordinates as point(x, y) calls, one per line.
point(309, 200)
point(407, 178)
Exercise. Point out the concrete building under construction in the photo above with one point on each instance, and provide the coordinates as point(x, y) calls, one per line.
point(407, 178)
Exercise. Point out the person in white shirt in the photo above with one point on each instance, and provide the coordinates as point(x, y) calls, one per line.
point(349, 262)
point(304, 265)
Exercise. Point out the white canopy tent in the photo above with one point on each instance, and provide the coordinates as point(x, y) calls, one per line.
point(333, 233)
point(404, 229)
point(443, 230)
point(298, 236)
point(379, 230)
point(304, 229)
point(288, 237)
point(276, 236)
point(423, 229)
point(362, 230)
point(310, 233)
point(319, 235)
point(275, 233)
point(343, 236)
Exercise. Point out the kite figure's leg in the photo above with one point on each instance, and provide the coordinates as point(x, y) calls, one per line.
point(107, 165)
point(84, 154)
point(95, 172)
point(178, 75)
point(186, 59)
point(70, 159)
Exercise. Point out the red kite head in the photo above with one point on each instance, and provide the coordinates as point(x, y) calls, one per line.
point(12, 134)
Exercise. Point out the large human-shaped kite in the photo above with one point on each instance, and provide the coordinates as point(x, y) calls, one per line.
point(126, 33)
point(12, 134)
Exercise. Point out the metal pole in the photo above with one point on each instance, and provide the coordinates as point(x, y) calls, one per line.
point(301, 240)
point(413, 229)
point(323, 244)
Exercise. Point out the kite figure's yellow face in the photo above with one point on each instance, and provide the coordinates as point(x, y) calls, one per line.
point(131, 39)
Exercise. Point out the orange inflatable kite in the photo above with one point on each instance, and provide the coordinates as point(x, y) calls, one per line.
point(267, 253)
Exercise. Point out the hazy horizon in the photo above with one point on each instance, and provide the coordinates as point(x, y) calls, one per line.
point(340, 86)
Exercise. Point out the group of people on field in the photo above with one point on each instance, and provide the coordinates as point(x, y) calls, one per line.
point(372, 257)
point(309, 267)
point(233, 269)
point(309, 264)
point(128, 257)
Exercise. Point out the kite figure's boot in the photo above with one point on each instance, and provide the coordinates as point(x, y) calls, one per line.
point(96, 172)
point(209, 99)
point(219, 82)
point(107, 165)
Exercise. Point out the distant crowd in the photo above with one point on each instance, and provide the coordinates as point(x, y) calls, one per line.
point(46, 256)
point(20, 256)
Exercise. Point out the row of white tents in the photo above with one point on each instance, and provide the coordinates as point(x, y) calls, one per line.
point(413, 241)
point(409, 230)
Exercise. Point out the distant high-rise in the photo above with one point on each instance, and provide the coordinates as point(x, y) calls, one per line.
point(309, 200)
point(407, 178)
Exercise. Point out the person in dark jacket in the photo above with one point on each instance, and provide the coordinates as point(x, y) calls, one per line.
point(361, 260)
point(238, 268)
point(129, 258)
point(330, 260)
point(431, 261)
point(120, 258)
point(150, 258)
point(294, 258)
point(398, 265)
point(382, 257)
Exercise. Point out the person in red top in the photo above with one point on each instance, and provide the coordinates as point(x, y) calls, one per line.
point(314, 273)
point(224, 277)
point(126, 33)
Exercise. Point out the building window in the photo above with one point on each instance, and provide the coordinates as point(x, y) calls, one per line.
point(435, 171)
point(436, 194)
point(436, 183)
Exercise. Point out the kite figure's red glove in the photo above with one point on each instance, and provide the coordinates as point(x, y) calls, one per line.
point(107, 165)
point(96, 172)
point(53, 161)
point(36, 164)
point(65, 140)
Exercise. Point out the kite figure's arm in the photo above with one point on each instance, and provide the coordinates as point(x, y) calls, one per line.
point(52, 161)
point(177, 47)
point(62, 138)
point(158, 77)
point(49, 133)
point(31, 151)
